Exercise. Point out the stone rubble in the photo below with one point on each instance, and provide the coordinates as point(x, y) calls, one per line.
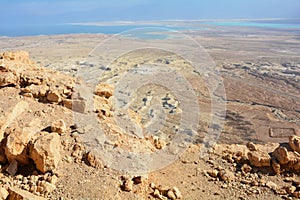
point(249, 163)
point(34, 144)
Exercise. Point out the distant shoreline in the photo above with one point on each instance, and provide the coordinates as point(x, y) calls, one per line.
point(121, 26)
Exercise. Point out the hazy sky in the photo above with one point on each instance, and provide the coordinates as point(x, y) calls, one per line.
point(61, 11)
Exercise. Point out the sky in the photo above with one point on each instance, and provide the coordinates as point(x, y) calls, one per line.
point(67, 11)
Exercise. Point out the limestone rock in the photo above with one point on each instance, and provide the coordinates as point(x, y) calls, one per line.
point(294, 164)
point(259, 158)
point(3, 193)
point(19, 194)
point(53, 179)
point(251, 146)
point(281, 154)
point(59, 126)
point(246, 168)
point(177, 193)
point(226, 175)
point(10, 116)
point(158, 142)
point(48, 187)
point(171, 195)
point(54, 96)
point(102, 106)
point(128, 185)
point(294, 142)
point(18, 139)
point(16, 56)
point(104, 90)
point(15, 148)
point(213, 173)
point(94, 160)
point(8, 78)
point(45, 152)
point(271, 185)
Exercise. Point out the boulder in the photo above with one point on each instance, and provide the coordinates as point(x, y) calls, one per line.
point(19, 194)
point(282, 155)
point(59, 126)
point(259, 158)
point(54, 96)
point(294, 142)
point(18, 139)
point(45, 152)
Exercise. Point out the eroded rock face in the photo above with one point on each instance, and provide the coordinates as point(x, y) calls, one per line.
point(45, 152)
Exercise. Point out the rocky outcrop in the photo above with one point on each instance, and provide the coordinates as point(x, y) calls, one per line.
point(276, 157)
point(36, 82)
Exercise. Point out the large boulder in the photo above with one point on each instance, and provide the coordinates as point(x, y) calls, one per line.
point(18, 139)
point(282, 155)
point(259, 158)
point(45, 152)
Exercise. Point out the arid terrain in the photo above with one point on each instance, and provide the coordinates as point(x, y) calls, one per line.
point(57, 91)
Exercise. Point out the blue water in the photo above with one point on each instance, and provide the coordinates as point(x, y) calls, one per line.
point(33, 30)
point(46, 29)
point(274, 24)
